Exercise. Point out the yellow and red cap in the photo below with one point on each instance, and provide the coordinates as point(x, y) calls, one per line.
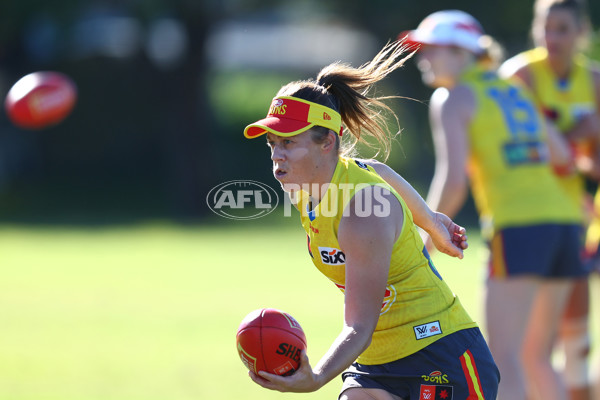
point(290, 116)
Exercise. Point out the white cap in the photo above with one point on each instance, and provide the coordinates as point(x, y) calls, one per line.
point(447, 28)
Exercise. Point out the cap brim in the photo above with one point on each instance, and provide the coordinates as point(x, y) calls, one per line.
point(408, 39)
point(415, 39)
point(277, 126)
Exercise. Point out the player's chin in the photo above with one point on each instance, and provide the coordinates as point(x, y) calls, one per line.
point(287, 185)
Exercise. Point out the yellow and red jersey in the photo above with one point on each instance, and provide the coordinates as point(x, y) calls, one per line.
point(418, 307)
point(512, 181)
point(564, 102)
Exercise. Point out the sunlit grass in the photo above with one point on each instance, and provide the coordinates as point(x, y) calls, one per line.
point(150, 312)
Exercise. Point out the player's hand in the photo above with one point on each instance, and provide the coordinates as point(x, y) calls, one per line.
point(592, 123)
point(588, 127)
point(448, 237)
point(302, 381)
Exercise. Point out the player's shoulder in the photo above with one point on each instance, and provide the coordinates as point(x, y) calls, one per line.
point(456, 99)
point(516, 65)
point(380, 168)
point(594, 67)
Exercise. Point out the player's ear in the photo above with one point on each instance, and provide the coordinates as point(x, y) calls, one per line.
point(329, 143)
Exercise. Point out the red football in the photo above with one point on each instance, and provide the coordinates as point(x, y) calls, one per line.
point(270, 340)
point(40, 99)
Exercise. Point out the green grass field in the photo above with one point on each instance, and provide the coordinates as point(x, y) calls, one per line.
point(150, 312)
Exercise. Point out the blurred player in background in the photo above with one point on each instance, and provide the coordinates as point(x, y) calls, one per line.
point(567, 86)
point(490, 131)
point(405, 334)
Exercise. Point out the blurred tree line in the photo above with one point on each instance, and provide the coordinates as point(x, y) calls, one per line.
point(157, 125)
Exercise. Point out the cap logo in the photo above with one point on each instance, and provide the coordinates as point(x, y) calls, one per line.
point(277, 107)
point(467, 27)
point(290, 116)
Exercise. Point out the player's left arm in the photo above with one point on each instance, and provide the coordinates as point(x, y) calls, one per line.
point(367, 243)
point(588, 129)
point(588, 126)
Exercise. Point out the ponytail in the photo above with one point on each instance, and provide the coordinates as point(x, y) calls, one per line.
point(493, 52)
point(347, 90)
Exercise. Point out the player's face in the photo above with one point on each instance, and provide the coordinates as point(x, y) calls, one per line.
point(296, 160)
point(440, 66)
point(558, 32)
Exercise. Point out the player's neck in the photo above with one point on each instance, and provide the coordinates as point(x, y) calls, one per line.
point(320, 184)
point(561, 68)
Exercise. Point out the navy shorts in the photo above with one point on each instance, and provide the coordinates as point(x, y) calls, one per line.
point(547, 251)
point(458, 366)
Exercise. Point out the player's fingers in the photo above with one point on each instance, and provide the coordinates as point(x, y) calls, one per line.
point(458, 230)
point(271, 381)
point(458, 253)
point(260, 380)
point(451, 249)
point(460, 240)
point(304, 363)
point(267, 376)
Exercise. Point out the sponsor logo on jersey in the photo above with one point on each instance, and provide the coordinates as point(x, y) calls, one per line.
point(332, 256)
point(436, 377)
point(551, 113)
point(518, 153)
point(436, 392)
point(427, 330)
point(388, 299)
point(361, 164)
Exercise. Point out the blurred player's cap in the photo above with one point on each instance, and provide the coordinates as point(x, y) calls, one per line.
point(447, 28)
point(290, 116)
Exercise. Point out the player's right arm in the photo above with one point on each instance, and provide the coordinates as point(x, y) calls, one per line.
point(447, 236)
point(588, 125)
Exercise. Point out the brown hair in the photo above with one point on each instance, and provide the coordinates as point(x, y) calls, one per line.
point(577, 7)
point(346, 90)
point(493, 52)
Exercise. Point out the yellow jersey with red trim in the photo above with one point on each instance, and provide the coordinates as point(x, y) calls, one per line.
point(418, 307)
point(564, 102)
point(511, 178)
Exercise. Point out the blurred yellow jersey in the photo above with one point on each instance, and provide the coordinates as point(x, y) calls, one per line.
point(418, 307)
point(564, 102)
point(511, 178)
